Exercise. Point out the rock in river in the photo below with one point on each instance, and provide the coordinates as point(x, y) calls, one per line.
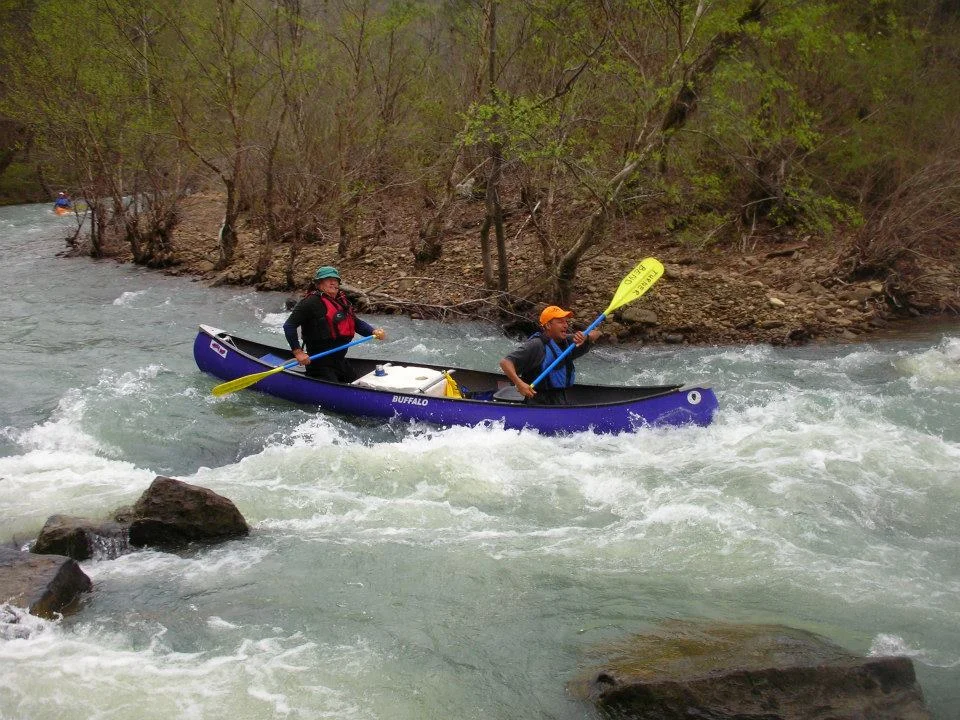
point(720, 671)
point(44, 584)
point(172, 513)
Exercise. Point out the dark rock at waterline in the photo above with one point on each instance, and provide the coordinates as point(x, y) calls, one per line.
point(48, 580)
point(520, 328)
point(81, 539)
point(123, 515)
point(44, 584)
point(755, 672)
point(172, 513)
point(169, 515)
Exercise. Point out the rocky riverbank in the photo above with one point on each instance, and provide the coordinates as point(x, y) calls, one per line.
point(790, 292)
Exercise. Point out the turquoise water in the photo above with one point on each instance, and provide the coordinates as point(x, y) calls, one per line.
point(402, 571)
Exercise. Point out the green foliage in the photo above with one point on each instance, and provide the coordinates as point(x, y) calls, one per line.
point(520, 126)
point(817, 107)
point(702, 230)
point(804, 121)
point(18, 183)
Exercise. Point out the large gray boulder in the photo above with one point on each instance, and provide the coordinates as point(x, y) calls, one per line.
point(46, 585)
point(749, 672)
point(172, 513)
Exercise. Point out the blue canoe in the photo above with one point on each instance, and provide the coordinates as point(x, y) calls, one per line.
point(416, 392)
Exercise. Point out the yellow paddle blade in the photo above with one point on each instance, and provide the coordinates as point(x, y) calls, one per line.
point(636, 283)
point(243, 382)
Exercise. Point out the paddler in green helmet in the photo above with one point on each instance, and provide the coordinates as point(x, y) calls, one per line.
point(325, 319)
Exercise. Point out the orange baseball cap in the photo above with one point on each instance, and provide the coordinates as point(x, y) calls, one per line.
point(552, 312)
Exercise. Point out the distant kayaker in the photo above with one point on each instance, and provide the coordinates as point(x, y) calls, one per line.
point(524, 364)
point(325, 319)
point(63, 201)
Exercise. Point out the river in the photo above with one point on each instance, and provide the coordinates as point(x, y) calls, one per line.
point(414, 572)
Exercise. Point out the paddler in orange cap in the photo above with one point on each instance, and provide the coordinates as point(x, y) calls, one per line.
point(523, 365)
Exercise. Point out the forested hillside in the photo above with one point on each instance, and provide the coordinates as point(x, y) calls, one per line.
point(736, 124)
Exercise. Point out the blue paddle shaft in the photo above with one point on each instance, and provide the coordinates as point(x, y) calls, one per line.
point(569, 349)
point(330, 352)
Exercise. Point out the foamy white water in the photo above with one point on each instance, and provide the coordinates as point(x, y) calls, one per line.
point(408, 571)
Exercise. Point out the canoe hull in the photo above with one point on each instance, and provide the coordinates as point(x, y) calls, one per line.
point(226, 358)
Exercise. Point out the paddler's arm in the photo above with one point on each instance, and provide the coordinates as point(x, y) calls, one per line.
point(299, 354)
point(293, 338)
point(510, 370)
point(366, 329)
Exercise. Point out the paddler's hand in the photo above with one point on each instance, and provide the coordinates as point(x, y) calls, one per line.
point(301, 356)
point(380, 334)
point(524, 389)
point(579, 338)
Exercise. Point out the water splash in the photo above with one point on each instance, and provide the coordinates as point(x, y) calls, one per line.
point(887, 645)
point(17, 623)
point(936, 368)
point(127, 298)
point(272, 675)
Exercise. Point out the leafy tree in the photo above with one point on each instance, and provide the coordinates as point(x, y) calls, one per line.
point(210, 78)
point(732, 121)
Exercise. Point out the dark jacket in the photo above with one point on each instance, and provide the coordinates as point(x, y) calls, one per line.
point(528, 360)
point(314, 317)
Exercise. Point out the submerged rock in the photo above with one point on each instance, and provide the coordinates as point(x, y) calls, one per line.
point(722, 672)
point(81, 539)
point(44, 584)
point(172, 513)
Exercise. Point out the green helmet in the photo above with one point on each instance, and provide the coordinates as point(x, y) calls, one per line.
point(325, 272)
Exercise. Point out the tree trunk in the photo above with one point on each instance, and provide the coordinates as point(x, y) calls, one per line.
point(159, 231)
point(136, 245)
point(296, 244)
point(228, 233)
point(495, 157)
point(265, 256)
point(566, 269)
point(269, 238)
point(347, 224)
point(549, 252)
point(494, 218)
point(427, 246)
point(488, 281)
point(97, 224)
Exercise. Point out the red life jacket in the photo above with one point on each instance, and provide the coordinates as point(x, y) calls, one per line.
point(339, 316)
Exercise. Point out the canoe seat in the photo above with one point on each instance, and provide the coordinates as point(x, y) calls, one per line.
point(508, 393)
point(277, 361)
point(274, 360)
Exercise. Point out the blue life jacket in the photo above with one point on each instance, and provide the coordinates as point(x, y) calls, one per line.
point(564, 374)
